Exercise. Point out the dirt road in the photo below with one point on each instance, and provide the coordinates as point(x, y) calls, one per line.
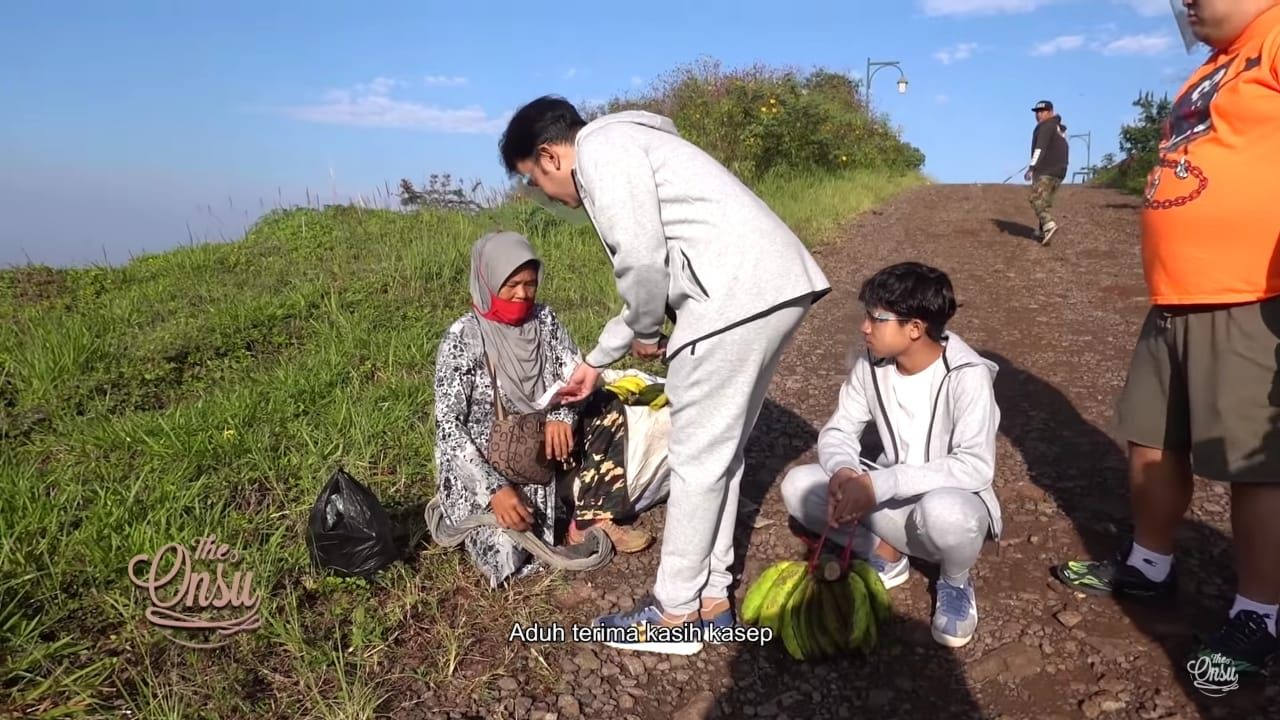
point(1060, 321)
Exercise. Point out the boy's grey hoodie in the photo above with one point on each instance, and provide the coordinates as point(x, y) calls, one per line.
point(683, 233)
point(961, 449)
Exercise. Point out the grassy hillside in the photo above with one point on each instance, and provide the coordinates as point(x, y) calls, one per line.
point(211, 390)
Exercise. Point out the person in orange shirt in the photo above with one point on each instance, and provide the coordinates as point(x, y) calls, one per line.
point(1202, 395)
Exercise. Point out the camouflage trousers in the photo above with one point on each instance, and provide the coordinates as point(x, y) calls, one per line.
point(1043, 188)
point(600, 475)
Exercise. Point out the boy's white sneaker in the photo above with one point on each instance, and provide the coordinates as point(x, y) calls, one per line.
point(892, 574)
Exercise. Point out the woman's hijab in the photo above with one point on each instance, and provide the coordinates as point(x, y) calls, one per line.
point(514, 349)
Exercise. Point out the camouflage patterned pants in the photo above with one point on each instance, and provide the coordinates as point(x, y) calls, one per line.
point(1043, 188)
point(600, 474)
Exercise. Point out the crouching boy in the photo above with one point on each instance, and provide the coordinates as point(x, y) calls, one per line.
point(929, 495)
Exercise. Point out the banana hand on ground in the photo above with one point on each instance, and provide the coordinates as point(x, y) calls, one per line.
point(821, 614)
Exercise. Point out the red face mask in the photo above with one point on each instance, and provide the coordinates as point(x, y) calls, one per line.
point(508, 312)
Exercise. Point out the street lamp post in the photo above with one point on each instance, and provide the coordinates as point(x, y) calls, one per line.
point(1088, 149)
point(878, 66)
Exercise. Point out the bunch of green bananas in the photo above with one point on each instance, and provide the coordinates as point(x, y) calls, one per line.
point(633, 390)
point(819, 616)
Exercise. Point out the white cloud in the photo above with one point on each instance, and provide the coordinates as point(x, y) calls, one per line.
point(1142, 44)
point(942, 99)
point(1062, 43)
point(1148, 8)
point(370, 105)
point(378, 86)
point(570, 73)
point(636, 81)
point(444, 81)
point(963, 51)
point(935, 8)
point(1106, 41)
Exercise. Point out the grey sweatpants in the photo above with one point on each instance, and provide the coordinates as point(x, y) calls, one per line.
point(716, 389)
point(945, 526)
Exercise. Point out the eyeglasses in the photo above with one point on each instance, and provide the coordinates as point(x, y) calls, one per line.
point(882, 317)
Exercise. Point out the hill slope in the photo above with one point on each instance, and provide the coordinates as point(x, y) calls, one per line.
point(211, 390)
point(1060, 321)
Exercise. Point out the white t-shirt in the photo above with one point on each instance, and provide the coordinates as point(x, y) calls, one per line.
point(910, 410)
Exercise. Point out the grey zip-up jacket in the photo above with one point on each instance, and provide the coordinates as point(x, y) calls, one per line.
point(961, 447)
point(684, 235)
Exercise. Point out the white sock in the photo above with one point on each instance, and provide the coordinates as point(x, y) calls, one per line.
point(1154, 565)
point(1266, 611)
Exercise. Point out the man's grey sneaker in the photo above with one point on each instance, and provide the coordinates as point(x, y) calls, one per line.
point(956, 617)
point(1116, 577)
point(1243, 642)
point(892, 574)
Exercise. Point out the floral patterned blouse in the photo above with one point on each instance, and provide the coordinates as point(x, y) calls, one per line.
point(464, 416)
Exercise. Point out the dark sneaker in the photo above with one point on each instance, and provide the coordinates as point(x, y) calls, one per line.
point(643, 628)
point(1243, 643)
point(1115, 577)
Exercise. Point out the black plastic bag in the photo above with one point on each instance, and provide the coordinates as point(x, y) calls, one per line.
point(349, 532)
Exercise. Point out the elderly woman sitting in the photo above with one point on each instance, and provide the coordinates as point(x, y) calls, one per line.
point(530, 351)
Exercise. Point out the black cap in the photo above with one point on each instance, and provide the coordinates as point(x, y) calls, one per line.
point(1043, 105)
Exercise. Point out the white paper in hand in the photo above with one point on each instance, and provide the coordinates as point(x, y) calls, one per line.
point(549, 395)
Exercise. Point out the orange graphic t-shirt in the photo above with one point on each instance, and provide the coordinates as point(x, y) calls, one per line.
point(1212, 214)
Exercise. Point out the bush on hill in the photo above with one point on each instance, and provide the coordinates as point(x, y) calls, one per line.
point(759, 120)
point(1139, 143)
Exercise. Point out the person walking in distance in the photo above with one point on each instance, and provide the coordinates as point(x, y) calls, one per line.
point(1202, 396)
point(686, 238)
point(1048, 166)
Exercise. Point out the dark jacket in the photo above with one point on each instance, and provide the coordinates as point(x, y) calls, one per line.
point(1052, 146)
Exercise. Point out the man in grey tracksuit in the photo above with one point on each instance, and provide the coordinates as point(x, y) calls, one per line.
point(690, 242)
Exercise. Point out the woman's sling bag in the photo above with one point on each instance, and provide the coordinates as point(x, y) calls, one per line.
point(517, 443)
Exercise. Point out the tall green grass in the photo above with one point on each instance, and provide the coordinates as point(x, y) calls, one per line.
point(816, 205)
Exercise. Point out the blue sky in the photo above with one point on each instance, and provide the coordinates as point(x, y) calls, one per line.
point(125, 129)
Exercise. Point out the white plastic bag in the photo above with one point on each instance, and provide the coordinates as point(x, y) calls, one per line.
point(648, 472)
